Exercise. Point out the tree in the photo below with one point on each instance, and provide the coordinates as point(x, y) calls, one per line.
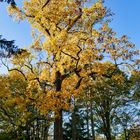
point(79, 132)
point(70, 46)
point(64, 41)
point(12, 105)
point(76, 127)
point(12, 2)
point(135, 78)
point(18, 113)
point(8, 48)
point(109, 95)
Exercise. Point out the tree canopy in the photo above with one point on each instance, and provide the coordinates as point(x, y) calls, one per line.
point(75, 63)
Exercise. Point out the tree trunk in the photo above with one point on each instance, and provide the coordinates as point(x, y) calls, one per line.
point(37, 129)
point(108, 136)
point(106, 120)
point(92, 121)
point(74, 131)
point(126, 134)
point(58, 130)
point(27, 132)
point(33, 132)
point(87, 121)
point(108, 128)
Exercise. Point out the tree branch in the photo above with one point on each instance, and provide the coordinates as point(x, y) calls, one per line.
point(75, 20)
point(69, 55)
point(78, 83)
point(45, 4)
point(19, 72)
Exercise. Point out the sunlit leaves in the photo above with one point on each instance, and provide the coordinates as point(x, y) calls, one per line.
point(67, 41)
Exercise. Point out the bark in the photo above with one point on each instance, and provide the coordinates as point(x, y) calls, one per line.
point(27, 132)
point(37, 129)
point(106, 121)
point(108, 128)
point(74, 130)
point(87, 121)
point(108, 136)
point(92, 121)
point(33, 132)
point(58, 130)
point(45, 131)
point(126, 134)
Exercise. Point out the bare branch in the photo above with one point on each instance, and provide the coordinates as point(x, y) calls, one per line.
point(75, 20)
point(19, 72)
point(78, 55)
point(31, 69)
point(69, 55)
point(45, 4)
point(78, 83)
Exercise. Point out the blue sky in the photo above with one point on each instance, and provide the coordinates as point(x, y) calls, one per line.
point(125, 21)
point(13, 30)
point(127, 18)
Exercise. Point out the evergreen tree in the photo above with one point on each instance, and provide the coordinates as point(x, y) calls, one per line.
point(12, 2)
point(75, 127)
point(7, 48)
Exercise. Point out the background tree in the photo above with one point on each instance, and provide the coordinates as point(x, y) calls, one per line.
point(7, 48)
point(76, 126)
point(18, 113)
point(12, 2)
point(109, 95)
